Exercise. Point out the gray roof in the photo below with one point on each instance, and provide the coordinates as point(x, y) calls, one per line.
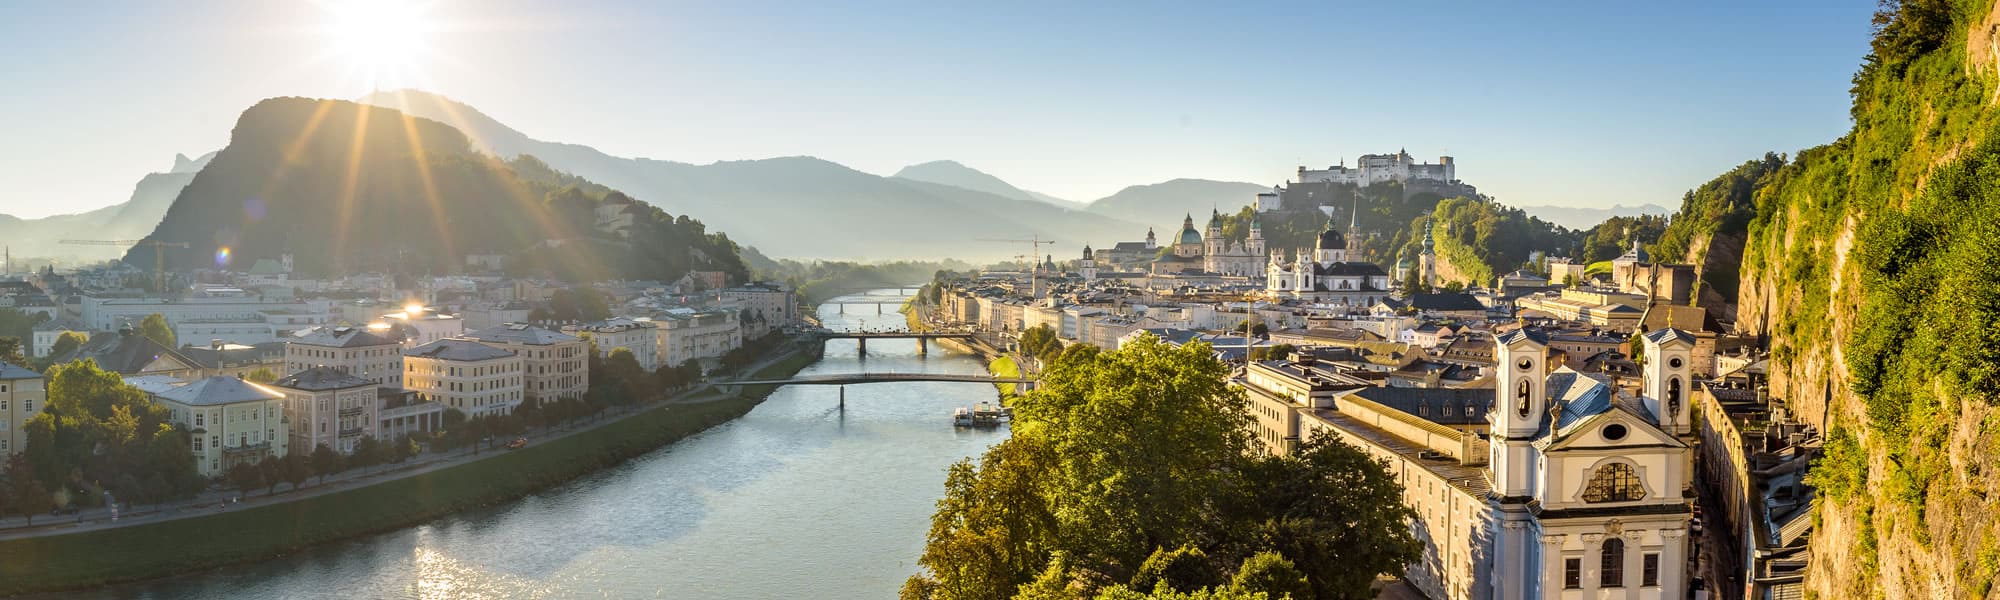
point(219, 390)
point(1409, 400)
point(320, 379)
point(339, 337)
point(1668, 335)
point(1446, 301)
point(1581, 395)
point(457, 349)
point(517, 333)
point(1536, 336)
point(10, 372)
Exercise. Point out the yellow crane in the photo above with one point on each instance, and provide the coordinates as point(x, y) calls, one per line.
point(159, 257)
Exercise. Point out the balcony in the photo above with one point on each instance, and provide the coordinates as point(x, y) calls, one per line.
point(351, 432)
point(352, 411)
point(257, 449)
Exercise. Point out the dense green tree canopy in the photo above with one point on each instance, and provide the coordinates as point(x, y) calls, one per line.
point(1137, 467)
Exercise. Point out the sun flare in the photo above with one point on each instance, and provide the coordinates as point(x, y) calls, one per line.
point(379, 40)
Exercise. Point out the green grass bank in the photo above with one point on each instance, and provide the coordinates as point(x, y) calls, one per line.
point(190, 545)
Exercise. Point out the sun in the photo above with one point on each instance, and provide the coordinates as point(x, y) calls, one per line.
point(379, 39)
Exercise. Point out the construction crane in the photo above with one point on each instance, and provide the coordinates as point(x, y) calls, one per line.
point(1035, 244)
point(159, 258)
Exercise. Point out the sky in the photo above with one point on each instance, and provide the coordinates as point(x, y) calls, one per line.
point(1544, 103)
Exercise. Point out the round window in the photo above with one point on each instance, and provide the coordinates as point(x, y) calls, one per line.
point(1527, 364)
point(1614, 432)
point(1674, 362)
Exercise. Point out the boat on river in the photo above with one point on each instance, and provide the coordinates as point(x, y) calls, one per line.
point(984, 415)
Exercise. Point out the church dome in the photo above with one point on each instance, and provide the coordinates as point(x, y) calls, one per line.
point(1190, 236)
point(1331, 239)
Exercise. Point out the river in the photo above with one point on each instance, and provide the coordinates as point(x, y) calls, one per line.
point(797, 499)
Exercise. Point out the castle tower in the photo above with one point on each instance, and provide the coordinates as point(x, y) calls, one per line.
point(1667, 379)
point(1088, 264)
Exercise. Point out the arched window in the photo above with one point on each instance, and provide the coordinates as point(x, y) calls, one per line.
point(1615, 482)
point(1673, 397)
point(1522, 397)
point(1611, 573)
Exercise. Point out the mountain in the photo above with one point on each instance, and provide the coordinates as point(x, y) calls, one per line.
point(800, 206)
point(1167, 202)
point(1581, 218)
point(1869, 263)
point(952, 173)
point(347, 187)
point(41, 239)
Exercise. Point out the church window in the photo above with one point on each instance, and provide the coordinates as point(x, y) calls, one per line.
point(1674, 362)
point(1522, 397)
point(1649, 573)
point(1614, 432)
point(1572, 573)
point(1612, 572)
point(1673, 396)
point(1615, 482)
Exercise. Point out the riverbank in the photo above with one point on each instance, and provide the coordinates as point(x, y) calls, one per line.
point(189, 545)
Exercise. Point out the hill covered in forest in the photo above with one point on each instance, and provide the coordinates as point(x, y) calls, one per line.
point(346, 187)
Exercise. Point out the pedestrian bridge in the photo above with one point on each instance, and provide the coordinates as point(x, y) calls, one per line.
point(861, 338)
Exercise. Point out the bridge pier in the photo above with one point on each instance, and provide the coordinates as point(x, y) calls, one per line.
point(923, 346)
point(860, 346)
point(843, 399)
point(878, 308)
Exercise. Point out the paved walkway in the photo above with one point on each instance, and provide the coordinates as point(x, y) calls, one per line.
point(217, 500)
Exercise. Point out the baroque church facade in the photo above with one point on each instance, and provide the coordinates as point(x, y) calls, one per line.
point(1213, 254)
point(1325, 275)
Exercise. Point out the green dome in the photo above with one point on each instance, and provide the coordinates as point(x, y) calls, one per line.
point(1190, 236)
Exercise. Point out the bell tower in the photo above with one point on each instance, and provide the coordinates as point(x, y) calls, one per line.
point(1668, 379)
point(1519, 409)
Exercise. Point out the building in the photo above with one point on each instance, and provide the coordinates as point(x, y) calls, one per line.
point(356, 351)
point(233, 421)
point(326, 406)
point(46, 334)
point(1576, 490)
point(637, 337)
point(1129, 254)
point(770, 306)
point(554, 364)
point(466, 376)
point(22, 393)
point(1194, 253)
point(125, 352)
point(1635, 273)
point(226, 314)
point(686, 334)
point(416, 326)
point(1380, 168)
point(1327, 276)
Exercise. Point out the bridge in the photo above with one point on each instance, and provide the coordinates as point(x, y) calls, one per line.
point(861, 338)
point(846, 379)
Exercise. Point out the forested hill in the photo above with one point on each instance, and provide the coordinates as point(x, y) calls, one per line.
point(1871, 263)
point(348, 188)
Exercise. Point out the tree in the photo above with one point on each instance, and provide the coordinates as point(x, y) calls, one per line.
point(155, 328)
point(1282, 351)
point(1335, 512)
point(66, 343)
point(1273, 575)
point(261, 375)
point(1186, 568)
point(246, 476)
point(10, 352)
point(30, 498)
point(325, 461)
point(296, 469)
point(273, 470)
point(1040, 342)
point(1260, 330)
point(367, 453)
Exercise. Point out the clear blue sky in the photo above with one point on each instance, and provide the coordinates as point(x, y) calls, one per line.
point(1581, 104)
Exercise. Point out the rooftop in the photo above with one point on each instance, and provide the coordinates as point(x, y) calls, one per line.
point(458, 350)
point(219, 390)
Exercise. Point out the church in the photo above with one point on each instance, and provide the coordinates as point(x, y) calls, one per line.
point(1326, 276)
point(1194, 253)
point(1577, 490)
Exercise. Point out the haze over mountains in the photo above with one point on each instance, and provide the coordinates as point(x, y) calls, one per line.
point(129, 220)
point(1581, 218)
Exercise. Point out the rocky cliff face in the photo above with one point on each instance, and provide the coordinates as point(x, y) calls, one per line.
point(1874, 265)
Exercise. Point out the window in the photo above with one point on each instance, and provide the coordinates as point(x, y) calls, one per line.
point(1522, 397)
point(1673, 396)
point(1649, 574)
point(1572, 573)
point(197, 420)
point(1615, 482)
point(1612, 572)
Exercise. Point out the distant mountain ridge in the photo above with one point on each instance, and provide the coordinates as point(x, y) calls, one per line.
point(131, 219)
point(1580, 218)
point(805, 207)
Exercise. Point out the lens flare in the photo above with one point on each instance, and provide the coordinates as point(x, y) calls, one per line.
point(222, 256)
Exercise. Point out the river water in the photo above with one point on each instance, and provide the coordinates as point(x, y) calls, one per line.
point(797, 499)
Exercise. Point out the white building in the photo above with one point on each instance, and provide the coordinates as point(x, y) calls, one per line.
point(467, 376)
point(22, 393)
point(223, 314)
point(1576, 493)
point(686, 335)
point(636, 336)
point(328, 407)
point(1379, 168)
point(417, 326)
point(555, 364)
point(233, 421)
point(352, 350)
point(771, 306)
point(1327, 276)
point(48, 332)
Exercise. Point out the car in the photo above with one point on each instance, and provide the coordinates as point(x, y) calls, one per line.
point(518, 443)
